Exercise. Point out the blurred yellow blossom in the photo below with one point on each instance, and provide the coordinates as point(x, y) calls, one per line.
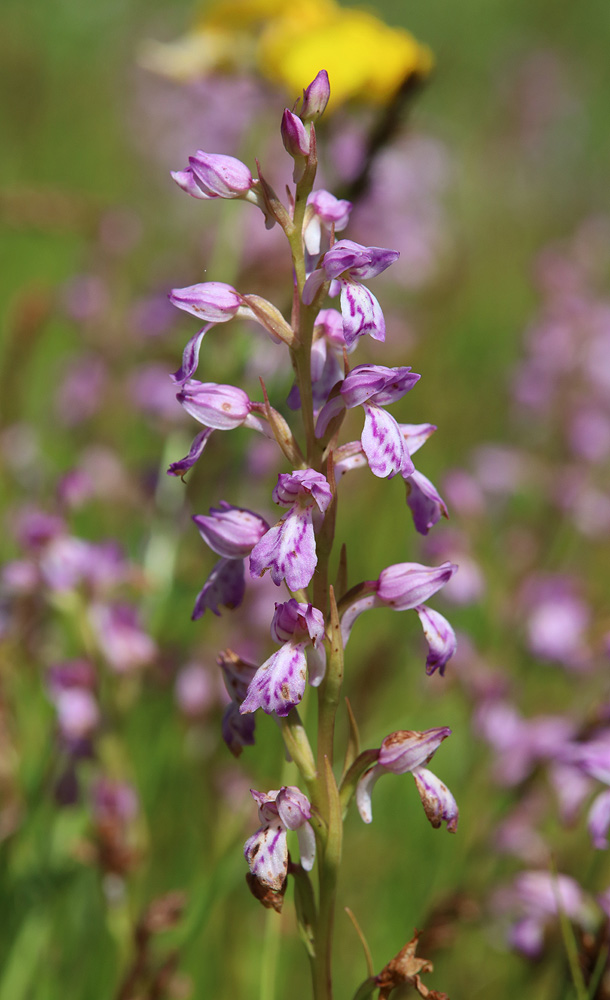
point(247, 14)
point(366, 59)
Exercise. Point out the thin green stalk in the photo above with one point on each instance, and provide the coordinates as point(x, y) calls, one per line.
point(329, 692)
point(328, 877)
point(297, 745)
point(323, 788)
point(269, 959)
point(328, 701)
point(569, 942)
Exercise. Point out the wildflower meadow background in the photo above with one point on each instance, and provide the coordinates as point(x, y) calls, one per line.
point(471, 138)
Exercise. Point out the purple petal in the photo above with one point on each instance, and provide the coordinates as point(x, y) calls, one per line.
point(231, 532)
point(361, 313)
point(527, 936)
point(267, 855)
point(313, 285)
point(294, 135)
point(347, 457)
point(416, 435)
point(288, 550)
point(197, 448)
point(405, 750)
point(377, 384)
point(224, 587)
point(383, 443)
point(303, 486)
point(598, 821)
point(222, 407)
point(237, 674)
point(220, 176)
point(307, 846)
point(424, 501)
point(292, 620)
point(405, 585)
point(77, 713)
point(329, 323)
point(237, 730)
point(120, 637)
point(294, 808)
point(332, 409)
point(316, 665)
point(440, 637)
point(354, 611)
point(361, 262)
point(332, 211)
point(185, 180)
point(213, 301)
point(279, 682)
point(438, 802)
point(190, 357)
point(364, 789)
point(316, 97)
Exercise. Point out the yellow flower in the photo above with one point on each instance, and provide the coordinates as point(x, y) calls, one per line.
point(240, 15)
point(366, 60)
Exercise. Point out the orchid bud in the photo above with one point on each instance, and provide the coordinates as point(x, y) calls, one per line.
point(405, 750)
point(222, 407)
point(405, 585)
point(212, 301)
point(214, 175)
point(294, 135)
point(231, 532)
point(316, 97)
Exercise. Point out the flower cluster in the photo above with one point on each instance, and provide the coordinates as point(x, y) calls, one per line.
point(312, 620)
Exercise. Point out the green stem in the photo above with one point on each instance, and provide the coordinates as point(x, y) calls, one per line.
point(302, 365)
point(320, 780)
point(297, 745)
point(271, 949)
point(328, 876)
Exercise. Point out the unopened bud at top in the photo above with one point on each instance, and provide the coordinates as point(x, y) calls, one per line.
point(315, 98)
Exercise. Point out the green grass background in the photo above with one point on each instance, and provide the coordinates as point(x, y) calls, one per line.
point(66, 69)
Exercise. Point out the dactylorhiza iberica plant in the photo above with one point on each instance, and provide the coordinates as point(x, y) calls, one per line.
point(312, 619)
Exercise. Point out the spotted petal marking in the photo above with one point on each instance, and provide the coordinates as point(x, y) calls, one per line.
point(383, 443)
point(361, 312)
point(279, 682)
point(266, 852)
point(287, 550)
